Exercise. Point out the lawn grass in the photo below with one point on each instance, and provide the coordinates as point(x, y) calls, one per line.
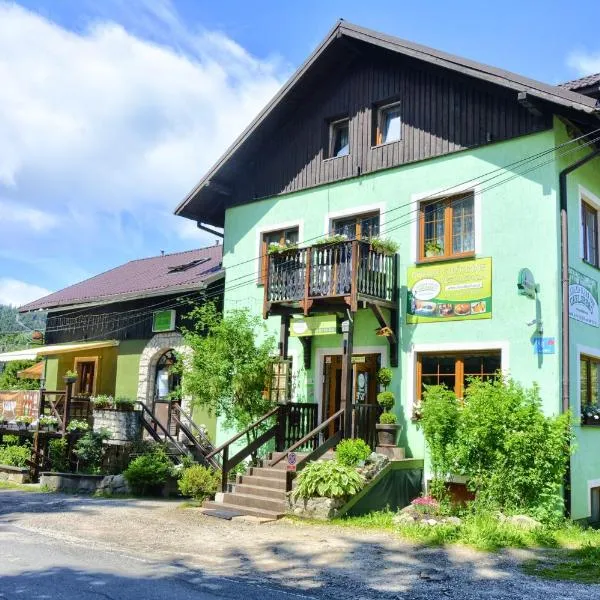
point(581, 565)
point(22, 487)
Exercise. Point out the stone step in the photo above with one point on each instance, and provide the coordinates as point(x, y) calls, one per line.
point(242, 488)
point(254, 512)
point(269, 472)
point(263, 482)
point(249, 501)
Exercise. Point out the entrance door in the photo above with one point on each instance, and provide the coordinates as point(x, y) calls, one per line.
point(364, 387)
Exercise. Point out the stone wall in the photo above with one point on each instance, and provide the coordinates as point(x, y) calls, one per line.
point(124, 426)
point(76, 483)
point(14, 474)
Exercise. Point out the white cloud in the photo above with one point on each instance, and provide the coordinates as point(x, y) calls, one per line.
point(17, 293)
point(104, 130)
point(31, 218)
point(584, 63)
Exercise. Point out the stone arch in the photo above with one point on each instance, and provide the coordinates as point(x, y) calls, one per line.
point(155, 348)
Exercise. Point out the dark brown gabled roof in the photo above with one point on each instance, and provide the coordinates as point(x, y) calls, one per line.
point(158, 275)
point(588, 85)
point(212, 212)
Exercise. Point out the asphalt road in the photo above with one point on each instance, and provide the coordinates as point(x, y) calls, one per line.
point(35, 565)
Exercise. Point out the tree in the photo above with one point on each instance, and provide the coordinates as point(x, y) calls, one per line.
point(229, 365)
point(10, 381)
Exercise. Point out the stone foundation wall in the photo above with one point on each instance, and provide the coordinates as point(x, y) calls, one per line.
point(13, 474)
point(76, 483)
point(124, 426)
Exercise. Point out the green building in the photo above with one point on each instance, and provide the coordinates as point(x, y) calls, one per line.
point(489, 185)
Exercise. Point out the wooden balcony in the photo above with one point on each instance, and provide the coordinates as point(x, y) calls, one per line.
point(329, 277)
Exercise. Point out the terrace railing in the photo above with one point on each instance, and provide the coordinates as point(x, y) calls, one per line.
point(338, 270)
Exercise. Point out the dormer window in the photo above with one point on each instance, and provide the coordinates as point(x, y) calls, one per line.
point(389, 124)
point(339, 138)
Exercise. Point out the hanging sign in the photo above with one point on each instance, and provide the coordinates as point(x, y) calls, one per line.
point(310, 326)
point(292, 459)
point(163, 320)
point(452, 291)
point(583, 298)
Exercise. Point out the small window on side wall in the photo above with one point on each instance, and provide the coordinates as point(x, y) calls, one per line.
point(389, 124)
point(339, 138)
point(589, 234)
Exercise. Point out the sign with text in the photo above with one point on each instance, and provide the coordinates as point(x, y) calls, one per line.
point(544, 345)
point(317, 325)
point(583, 298)
point(450, 291)
point(292, 459)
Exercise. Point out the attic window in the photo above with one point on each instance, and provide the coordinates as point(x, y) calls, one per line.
point(339, 138)
point(187, 266)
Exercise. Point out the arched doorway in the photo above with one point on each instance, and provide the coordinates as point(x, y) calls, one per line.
point(167, 382)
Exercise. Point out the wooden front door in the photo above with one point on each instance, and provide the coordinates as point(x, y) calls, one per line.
point(364, 388)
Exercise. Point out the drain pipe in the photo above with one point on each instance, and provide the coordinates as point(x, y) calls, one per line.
point(565, 338)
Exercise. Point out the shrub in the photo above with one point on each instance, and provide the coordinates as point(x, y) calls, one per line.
point(198, 482)
point(328, 479)
point(48, 420)
point(102, 402)
point(384, 376)
point(26, 419)
point(352, 452)
point(58, 455)
point(388, 418)
point(384, 245)
point(90, 451)
point(147, 473)
point(76, 425)
point(15, 456)
point(386, 400)
point(122, 403)
point(11, 440)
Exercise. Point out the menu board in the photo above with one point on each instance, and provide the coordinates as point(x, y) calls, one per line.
point(450, 291)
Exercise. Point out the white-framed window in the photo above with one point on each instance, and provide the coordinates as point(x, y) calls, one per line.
point(590, 225)
point(339, 138)
point(389, 124)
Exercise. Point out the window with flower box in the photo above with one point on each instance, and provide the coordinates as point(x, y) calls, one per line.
point(589, 388)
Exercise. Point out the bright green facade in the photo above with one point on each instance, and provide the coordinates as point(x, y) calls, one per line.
point(516, 224)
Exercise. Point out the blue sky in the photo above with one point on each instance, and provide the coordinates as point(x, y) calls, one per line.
point(110, 111)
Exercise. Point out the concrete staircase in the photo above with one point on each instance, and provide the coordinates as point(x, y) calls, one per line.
point(259, 493)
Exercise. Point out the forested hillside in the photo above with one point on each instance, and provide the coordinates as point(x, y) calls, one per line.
point(14, 336)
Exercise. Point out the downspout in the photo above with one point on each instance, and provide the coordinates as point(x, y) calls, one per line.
point(565, 337)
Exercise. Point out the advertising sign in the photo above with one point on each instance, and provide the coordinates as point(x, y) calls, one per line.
point(317, 325)
point(583, 298)
point(452, 291)
point(544, 345)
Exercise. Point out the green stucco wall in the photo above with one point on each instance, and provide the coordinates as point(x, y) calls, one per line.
point(128, 367)
point(517, 224)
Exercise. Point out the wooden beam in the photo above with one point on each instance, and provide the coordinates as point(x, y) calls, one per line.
point(526, 102)
point(307, 350)
point(346, 387)
point(388, 325)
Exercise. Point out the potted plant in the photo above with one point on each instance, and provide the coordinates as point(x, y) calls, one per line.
point(281, 248)
point(23, 421)
point(384, 377)
point(124, 404)
point(384, 246)
point(590, 415)
point(70, 376)
point(48, 422)
point(77, 426)
point(331, 239)
point(102, 402)
point(433, 248)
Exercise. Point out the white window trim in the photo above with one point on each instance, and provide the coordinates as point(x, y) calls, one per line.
point(587, 351)
point(330, 141)
point(380, 111)
point(586, 196)
point(415, 349)
point(321, 353)
point(438, 194)
point(350, 212)
point(592, 483)
point(275, 227)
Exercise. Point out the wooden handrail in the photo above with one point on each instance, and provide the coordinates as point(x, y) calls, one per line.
point(236, 437)
point(308, 436)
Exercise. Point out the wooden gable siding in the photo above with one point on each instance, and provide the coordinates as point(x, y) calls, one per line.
point(440, 114)
point(131, 320)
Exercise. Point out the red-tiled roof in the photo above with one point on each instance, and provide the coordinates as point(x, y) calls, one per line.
point(138, 278)
point(582, 82)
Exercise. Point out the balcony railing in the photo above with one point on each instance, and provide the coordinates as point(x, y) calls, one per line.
point(351, 270)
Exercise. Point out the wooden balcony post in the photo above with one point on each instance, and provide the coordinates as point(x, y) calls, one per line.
point(346, 387)
point(266, 301)
point(306, 303)
point(224, 469)
point(67, 408)
point(354, 278)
